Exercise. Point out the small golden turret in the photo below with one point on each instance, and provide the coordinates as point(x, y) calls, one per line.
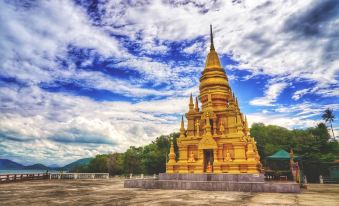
point(246, 129)
point(191, 105)
point(182, 127)
point(196, 108)
point(171, 155)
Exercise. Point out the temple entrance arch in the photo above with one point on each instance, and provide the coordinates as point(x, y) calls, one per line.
point(208, 158)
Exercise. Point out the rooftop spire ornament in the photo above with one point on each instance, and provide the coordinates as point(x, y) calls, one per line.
point(211, 38)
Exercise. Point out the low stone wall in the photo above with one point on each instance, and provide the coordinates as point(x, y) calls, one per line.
point(213, 185)
point(214, 177)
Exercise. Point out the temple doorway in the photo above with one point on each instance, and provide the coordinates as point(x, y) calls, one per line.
point(208, 157)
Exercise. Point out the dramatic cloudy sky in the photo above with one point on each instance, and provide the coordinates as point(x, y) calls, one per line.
point(80, 78)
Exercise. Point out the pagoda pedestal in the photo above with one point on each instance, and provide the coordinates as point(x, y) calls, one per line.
point(213, 182)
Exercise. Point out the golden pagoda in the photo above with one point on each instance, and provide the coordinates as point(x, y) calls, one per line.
point(216, 139)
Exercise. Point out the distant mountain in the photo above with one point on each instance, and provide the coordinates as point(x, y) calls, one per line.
point(6, 164)
point(37, 167)
point(80, 162)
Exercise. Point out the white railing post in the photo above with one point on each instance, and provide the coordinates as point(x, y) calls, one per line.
point(130, 175)
point(142, 176)
point(305, 179)
point(321, 180)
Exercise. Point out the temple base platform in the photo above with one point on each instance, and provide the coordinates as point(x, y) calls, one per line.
point(213, 182)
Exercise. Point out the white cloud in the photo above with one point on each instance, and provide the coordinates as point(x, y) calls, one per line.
point(196, 48)
point(271, 95)
point(292, 116)
point(282, 120)
point(65, 121)
point(34, 40)
point(298, 94)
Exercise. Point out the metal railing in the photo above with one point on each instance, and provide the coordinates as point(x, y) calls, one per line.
point(5, 178)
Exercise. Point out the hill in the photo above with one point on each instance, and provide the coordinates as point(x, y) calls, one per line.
point(37, 167)
point(78, 163)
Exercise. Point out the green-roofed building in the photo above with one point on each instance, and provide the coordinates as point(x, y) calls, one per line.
point(281, 155)
point(279, 165)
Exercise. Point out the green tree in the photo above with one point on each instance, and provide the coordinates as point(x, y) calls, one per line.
point(328, 116)
point(155, 154)
point(99, 164)
point(115, 164)
point(132, 160)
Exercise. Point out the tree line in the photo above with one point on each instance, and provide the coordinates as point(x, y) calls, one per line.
point(150, 159)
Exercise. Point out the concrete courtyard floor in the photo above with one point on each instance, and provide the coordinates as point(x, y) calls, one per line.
point(112, 192)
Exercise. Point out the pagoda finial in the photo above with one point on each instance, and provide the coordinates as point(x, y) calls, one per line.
point(211, 36)
point(196, 105)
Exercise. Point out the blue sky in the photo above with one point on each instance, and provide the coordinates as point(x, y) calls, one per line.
point(80, 78)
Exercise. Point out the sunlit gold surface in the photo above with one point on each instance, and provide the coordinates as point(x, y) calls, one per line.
point(216, 139)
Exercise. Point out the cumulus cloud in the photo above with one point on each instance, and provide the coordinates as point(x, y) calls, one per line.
point(35, 36)
point(39, 39)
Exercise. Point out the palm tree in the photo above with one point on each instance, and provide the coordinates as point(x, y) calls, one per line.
point(328, 116)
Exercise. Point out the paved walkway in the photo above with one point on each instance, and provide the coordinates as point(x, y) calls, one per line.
point(111, 192)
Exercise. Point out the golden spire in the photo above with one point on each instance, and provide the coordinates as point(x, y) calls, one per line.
point(212, 60)
point(191, 105)
point(182, 127)
point(196, 105)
